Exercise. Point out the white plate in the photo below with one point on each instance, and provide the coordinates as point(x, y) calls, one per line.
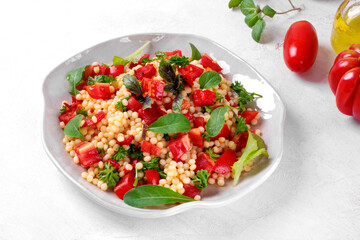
point(270, 106)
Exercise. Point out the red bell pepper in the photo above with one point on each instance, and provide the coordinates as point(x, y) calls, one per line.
point(180, 146)
point(225, 132)
point(154, 88)
point(150, 148)
point(133, 104)
point(99, 116)
point(150, 115)
point(87, 154)
point(125, 184)
point(225, 161)
point(114, 163)
point(196, 137)
point(173, 53)
point(199, 122)
point(204, 97)
point(115, 70)
point(249, 116)
point(152, 177)
point(70, 111)
point(127, 140)
point(240, 140)
point(208, 62)
point(191, 191)
point(203, 161)
point(148, 71)
point(190, 73)
point(189, 116)
point(99, 91)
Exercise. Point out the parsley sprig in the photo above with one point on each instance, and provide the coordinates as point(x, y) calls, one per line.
point(244, 96)
point(100, 79)
point(154, 164)
point(63, 109)
point(200, 179)
point(109, 175)
point(179, 61)
point(120, 106)
point(132, 152)
point(212, 155)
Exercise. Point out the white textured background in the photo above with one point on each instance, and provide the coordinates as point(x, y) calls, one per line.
point(314, 194)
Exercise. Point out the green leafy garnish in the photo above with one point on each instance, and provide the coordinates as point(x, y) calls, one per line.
point(244, 96)
point(195, 54)
point(176, 106)
point(216, 121)
point(212, 155)
point(219, 98)
point(63, 109)
point(166, 137)
point(209, 79)
point(109, 175)
point(72, 128)
point(258, 30)
point(170, 123)
point(205, 136)
point(100, 79)
point(120, 106)
point(133, 57)
point(74, 78)
point(179, 61)
point(136, 177)
point(160, 55)
point(132, 84)
point(154, 164)
point(234, 3)
point(200, 179)
point(145, 60)
point(82, 112)
point(121, 154)
point(100, 151)
point(147, 102)
point(148, 195)
point(208, 109)
point(175, 87)
point(166, 71)
point(254, 147)
point(134, 152)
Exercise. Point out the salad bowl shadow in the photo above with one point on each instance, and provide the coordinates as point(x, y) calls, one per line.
point(270, 106)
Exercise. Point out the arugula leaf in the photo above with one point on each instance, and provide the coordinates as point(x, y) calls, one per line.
point(74, 78)
point(147, 102)
point(212, 155)
point(251, 19)
point(179, 61)
point(170, 123)
point(166, 71)
point(206, 136)
point(120, 106)
point(244, 96)
point(100, 79)
point(254, 147)
point(119, 61)
point(268, 11)
point(247, 6)
point(219, 98)
point(148, 195)
point(109, 175)
point(135, 56)
point(240, 125)
point(134, 152)
point(82, 112)
point(216, 121)
point(72, 128)
point(176, 106)
point(63, 109)
point(132, 84)
point(258, 30)
point(121, 154)
point(195, 54)
point(200, 179)
point(209, 79)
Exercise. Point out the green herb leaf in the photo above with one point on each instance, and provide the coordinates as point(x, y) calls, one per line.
point(170, 123)
point(72, 128)
point(109, 175)
point(134, 152)
point(147, 102)
point(100, 151)
point(74, 77)
point(179, 61)
point(234, 3)
point(121, 154)
point(240, 125)
point(212, 155)
point(154, 164)
point(268, 11)
point(247, 7)
point(100, 79)
point(208, 109)
point(244, 96)
point(200, 179)
point(120, 106)
point(251, 19)
point(145, 60)
point(219, 98)
point(209, 79)
point(195, 54)
point(132, 84)
point(63, 109)
point(166, 71)
point(119, 61)
point(176, 106)
point(82, 112)
point(206, 136)
point(258, 30)
point(160, 54)
point(135, 56)
point(148, 195)
point(216, 121)
point(254, 147)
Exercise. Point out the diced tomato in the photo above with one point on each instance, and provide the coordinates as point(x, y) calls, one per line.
point(127, 140)
point(150, 148)
point(81, 86)
point(227, 97)
point(144, 56)
point(87, 154)
point(132, 65)
point(189, 116)
point(87, 73)
point(70, 112)
point(99, 116)
point(203, 161)
point(124, 185)
point(99, 91)
point(133, 104)
point(225, 132)
point(180, 146)
point(249, 116)
point(241, 140)
point(113, 163)
point(191, 191)
point(116, 70)
point(173, 53)
point(150, 115)
point(152, 177)
point(103, 68)
point(147, 71)
point(199, 122)
point(208, 62)
point(196, 137)
point(154, 88)
point(204, 97)
point(190, 73)
point(225, 161)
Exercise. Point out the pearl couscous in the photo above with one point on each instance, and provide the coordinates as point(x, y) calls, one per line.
point(171, 121)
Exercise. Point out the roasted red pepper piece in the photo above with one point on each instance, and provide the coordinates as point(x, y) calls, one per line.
point(249, 116)
point(240, 140)
point(152, 177)
point(203, 161)
point(99, 116)
point(180, 146)
point(133, 104)
point(173, 53)
point(225, 161)
point(144, 56)
point(190, 73)
point(127, 140)
point(99, 91)
point(196, 137)
point(204, 97)
point(70, 111)
point(225, 132)
point(113, 163)
point(150, 148)
point(191, 191)
point(125, 184)
point(150, 115)
point(208, 62)
point(115, 70)
point(147, 71)
point(154, 88)
point(199, 122)
point(87, 154)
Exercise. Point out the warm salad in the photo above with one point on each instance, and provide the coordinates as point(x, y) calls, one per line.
point(160, 129)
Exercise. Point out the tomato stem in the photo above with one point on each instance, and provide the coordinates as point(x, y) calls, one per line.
point(291, 4)
point(293, 9)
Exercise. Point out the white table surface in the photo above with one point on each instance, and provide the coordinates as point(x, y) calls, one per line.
point(314, 193)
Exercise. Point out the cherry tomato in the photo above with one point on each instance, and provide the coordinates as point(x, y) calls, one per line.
point(300, 46)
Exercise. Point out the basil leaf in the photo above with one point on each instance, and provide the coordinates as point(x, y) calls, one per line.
point(166, 71)
point(195, 54)
point(148, 195)
point(170, 88)
point(72, 128)
point(170, 123)
point(119, 61)
point(132, 84)
point(147, 102)
point(268, 11)
point(216, 121)
point(135, 56)
point(254, 147)
point(258, 30)
point(177, 103)
point(234, 3)
point(251, 19)
point(247, 6)
point(74, 77)
point(209, 79)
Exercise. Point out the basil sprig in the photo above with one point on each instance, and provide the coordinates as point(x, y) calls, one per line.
point(170, 123)
point(148, 195)
point(72, 128)
point(209, 79)
point(216, 121)
point(74, 78)
point(132, 84)
point(195, 54)
point(166, 71)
